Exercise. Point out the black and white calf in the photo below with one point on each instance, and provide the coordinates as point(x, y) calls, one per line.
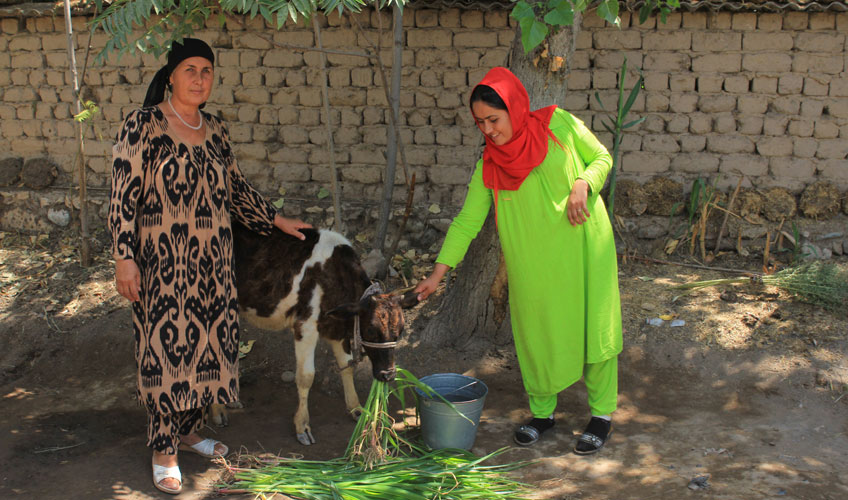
point(315, 287)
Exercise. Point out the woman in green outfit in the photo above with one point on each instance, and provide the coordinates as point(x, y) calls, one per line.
point(543, 171)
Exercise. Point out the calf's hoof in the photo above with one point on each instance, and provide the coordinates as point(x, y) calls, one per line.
point(218, 415)
point(305, 438)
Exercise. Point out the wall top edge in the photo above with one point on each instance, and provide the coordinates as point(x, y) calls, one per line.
point(14, 8)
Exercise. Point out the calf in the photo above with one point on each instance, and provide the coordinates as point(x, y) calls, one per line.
point(315, 287)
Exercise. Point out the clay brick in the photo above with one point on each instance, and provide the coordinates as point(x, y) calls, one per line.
point(447, 175)
point(580, 60)
point(681, 83)
point(838, 108)
point(790, 84)
point(579, 80)
point(294, 134)
point(693, 143)
point(9, 26)
point(252, 96)
point(775, 146)
point(310, 96)
point(638, 162)
point(750, 165)
point(282, 59)
point(449, 18)
point(656, 103)
point(750, 125)
point(832, 149)
point(815, 87)
point(248, 114)
point(767, 62)
point(678, 124)
point(789, 105)
point(29, 61)
point(303, 38)
point(667, 61)
point(710, 84)
point(694, 20)
point(496, 19)
point(25, 113)
point(25, 43)
point(724, 123)
point(822, 21)
point(797, 21)
point(253, 79)
point(604, 79)
point(759, 41)
point(655, 81)
point(19, 94)
point(451, 136)
point(576, 102)
point(744, 21)
point(819, 42)
point(792, 168)
point(426, 18)
point(817, 63)
point(471, 19)
point(769, 22)
point(737, 84)
point(700, 123)
point(250, 41)
point(801, 127)
point(422, 38)
point(505, 38)
point(716, 41)
point(775, 125)
point(836, 170)
point(673, 21)
point(475, 39)
point(730, 144)
point(615, 39)
point(424, 136)
point(716, 104)
point(805, 147)
point(363, 174)
point(683, 103)
point(764, 85)
point(695, 163)
point(612, 60)
point(717, 63)
point(659, 143)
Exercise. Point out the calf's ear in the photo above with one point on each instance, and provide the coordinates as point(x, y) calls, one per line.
point(409, 299)
point(345, 310)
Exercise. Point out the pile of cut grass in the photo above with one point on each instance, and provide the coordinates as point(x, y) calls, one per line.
point(380, 463)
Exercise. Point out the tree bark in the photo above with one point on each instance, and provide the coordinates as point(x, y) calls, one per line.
point(476, 305)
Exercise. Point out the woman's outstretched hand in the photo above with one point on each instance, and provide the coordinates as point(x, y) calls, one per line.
point(428, 285)
point(128, 279)
point(576, 207)
point(291, 226)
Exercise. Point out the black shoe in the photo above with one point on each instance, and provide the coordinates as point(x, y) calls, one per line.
point(530, 432)
point(594, 437)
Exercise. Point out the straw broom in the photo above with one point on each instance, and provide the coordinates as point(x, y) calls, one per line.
point(819, 283)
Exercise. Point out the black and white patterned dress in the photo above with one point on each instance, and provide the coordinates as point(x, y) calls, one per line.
point(170, 210)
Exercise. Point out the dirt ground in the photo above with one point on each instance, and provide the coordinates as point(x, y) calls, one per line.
point(749, 393)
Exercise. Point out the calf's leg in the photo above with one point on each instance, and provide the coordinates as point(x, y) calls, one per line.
point(344, 360)
point(306, 337)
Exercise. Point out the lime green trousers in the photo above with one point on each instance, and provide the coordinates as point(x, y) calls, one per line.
point(602, 384)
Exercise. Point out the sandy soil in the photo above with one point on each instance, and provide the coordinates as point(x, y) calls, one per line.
point(749, 392)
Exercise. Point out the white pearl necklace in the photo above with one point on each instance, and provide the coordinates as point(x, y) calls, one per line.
point(193, 127)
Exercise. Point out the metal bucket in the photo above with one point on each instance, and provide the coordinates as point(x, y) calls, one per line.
point(441, 425)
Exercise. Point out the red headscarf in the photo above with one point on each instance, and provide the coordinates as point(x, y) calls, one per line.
point(506, 167)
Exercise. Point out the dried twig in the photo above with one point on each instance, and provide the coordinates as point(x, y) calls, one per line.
point(727, 214)
point(57, 448)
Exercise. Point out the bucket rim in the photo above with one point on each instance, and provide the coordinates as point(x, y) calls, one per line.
point(472, 380)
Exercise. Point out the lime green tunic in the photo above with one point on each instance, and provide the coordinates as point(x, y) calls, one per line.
point(563, 280)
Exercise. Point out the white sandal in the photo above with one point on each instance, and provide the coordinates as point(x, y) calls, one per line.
point(160, 473)
point(205, 448)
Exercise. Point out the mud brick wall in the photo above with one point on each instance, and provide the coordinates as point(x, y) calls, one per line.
point(764, 95)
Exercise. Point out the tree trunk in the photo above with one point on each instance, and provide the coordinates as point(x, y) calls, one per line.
point(476, 305)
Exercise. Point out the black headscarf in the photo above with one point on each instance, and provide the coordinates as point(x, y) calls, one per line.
point(190, 47)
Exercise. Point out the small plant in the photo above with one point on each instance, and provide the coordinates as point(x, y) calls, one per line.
point(618, 126)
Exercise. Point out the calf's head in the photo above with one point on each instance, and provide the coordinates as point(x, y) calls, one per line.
point(381, 324)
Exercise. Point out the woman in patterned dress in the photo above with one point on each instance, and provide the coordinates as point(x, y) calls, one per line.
point(175, 186)
point(543, 170)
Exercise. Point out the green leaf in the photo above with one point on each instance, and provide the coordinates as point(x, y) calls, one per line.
point(522, 11)
point(563, 15)
point(532, 34)
point(608, 11)
point(633, 123)
point(323, 193)
point(644, 12)
point(279, 203)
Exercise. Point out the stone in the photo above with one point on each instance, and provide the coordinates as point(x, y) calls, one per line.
point(820, 201)
point(61, 217)
point(38, 173)
point(10, 171)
